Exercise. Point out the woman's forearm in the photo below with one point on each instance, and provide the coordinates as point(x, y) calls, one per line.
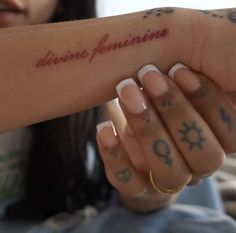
point(53, 70)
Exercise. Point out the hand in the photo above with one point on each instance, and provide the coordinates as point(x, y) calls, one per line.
point(179, 129)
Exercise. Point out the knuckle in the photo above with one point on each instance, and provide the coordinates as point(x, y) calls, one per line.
point(148, 124)
point(147, 130)
point(171, 182)
point(230, 149)
point(211, 166)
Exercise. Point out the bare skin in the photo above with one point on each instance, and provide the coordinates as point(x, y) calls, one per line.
point(27, 12)
point(180, 138)
point(204, 43)
point(64, 68)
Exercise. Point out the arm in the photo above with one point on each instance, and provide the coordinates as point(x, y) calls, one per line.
point(48, 70)
point(53, 70)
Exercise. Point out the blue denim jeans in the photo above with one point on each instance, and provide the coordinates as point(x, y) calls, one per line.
point(199, 209)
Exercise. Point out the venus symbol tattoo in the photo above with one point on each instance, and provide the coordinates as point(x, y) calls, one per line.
point(124, 175)
point(162, 149)
point(226, 118)
point(192, 135)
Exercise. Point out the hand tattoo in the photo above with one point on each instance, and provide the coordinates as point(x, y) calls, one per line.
point(124, 175)
point(192, 135)
point(225, 117)
point(167, 100)
point(162, 149)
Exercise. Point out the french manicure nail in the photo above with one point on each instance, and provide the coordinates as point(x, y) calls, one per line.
point(175, 68)
point(184, 78)
point(131, 96)
point(107, 134)
point(153, 81)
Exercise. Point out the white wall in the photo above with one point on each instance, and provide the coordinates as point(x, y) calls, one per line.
point(114, 7)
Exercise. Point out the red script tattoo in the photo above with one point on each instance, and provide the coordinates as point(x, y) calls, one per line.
point(104, 46)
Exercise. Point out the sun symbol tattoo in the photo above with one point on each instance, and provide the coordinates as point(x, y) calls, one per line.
point(192, 135)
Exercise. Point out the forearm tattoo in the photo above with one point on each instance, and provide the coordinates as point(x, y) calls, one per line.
point(106, 44)
point(124, 175)
point(162, 149)
point(229, 14)
point(226, 118)
point(158, 12)
point(192, 135)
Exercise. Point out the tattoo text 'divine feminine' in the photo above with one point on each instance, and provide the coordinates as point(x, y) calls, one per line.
point(105, 45)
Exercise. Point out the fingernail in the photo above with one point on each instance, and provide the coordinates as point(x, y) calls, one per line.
point(107, 134)
point(131, 96)
point(184, 78)
point(153, 81)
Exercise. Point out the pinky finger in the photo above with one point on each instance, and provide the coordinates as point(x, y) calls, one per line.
point(119, 170)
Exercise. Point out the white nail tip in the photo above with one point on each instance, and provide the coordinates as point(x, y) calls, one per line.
point(141, 73)
point(105, 124)
point(176, 67)
point(124, 83)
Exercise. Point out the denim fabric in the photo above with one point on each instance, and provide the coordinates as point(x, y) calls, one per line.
point(204, 194)
point(199, 209)
point(176, 219)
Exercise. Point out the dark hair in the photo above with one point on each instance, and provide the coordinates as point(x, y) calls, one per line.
point(57, 178)
point(76, 9)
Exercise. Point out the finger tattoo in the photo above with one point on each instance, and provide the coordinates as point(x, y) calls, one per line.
point(114, 152)
point(167, 100)
point(225, 117)
point(192, 135)
point(203, 91)
point(124, 175)
point(162, 149)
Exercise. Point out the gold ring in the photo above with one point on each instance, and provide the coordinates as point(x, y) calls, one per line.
point(160, 190)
